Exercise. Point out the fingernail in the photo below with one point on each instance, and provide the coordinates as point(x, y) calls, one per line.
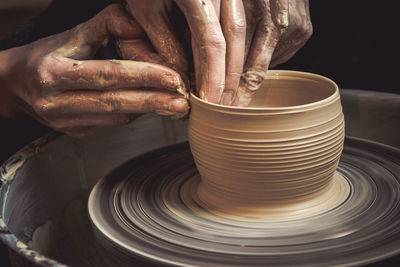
point(227, 98)
point(177, 108)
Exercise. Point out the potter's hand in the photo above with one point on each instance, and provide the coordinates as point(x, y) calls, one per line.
point(275, 31)
point(250, 33)
point(157, 19)
point(54, 81)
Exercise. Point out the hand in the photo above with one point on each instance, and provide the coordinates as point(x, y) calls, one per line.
point(273, 37)
point(54, 81)
point(158, 20)
point(249, 34)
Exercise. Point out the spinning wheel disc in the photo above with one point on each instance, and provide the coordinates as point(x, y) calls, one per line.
point(145, 212)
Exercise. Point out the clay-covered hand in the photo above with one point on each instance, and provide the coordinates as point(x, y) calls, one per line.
point(162, 25)
point(55, 81)
point(275, 31)
point(233, 41)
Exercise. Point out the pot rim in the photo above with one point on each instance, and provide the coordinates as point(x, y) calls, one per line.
point(276, 74)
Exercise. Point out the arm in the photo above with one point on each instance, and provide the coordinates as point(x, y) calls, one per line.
point(55, 81)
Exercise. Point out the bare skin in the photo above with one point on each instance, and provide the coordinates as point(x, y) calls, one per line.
point(233, 43)
point(54, 80)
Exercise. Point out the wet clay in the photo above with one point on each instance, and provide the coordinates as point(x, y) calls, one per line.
point(275, 158)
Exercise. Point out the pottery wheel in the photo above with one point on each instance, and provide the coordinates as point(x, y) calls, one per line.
point(143, 214)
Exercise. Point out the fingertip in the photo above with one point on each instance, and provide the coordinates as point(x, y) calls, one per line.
point(173, 81)
point(179, 105)
point(227, 97)
point(244, 96)
point(215, 97)
point(232, 83)
point(177, 108)
point(212, 96)
point(252, 79)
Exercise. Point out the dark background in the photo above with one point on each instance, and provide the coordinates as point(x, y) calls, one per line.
point(355, 43)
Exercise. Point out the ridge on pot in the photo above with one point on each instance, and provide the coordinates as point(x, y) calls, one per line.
point(275, 158)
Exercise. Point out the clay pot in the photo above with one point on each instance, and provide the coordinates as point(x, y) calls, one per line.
point(276, 156)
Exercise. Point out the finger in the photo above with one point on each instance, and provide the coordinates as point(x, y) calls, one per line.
point(160, 33)
point(120, 101)
point(280, 14)
point(130, 36)
point(217, 7)
point(68, 74)
point(259, 57)
point(209, 47)
point(234, 28)
point(141, 50)
point(112, 21)
point(297, 33)
point(287, 48)
point(120, 24)
point(138, 50)
point(253, 17)
point(197, 68)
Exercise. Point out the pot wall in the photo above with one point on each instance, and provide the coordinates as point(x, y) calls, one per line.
point(270, 152)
